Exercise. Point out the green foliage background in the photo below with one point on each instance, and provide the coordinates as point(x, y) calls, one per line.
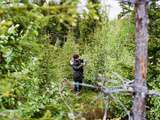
point(37, 42)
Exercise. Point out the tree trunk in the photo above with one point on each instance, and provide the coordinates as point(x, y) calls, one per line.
point(140, 87)
point(1, 58)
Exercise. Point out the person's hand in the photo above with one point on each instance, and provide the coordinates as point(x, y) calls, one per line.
point(85, 62)
point(71, 61)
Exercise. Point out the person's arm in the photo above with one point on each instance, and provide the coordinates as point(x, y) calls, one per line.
point(83, 62)
point(71, 61)
point(77, 67)
point(81, 65)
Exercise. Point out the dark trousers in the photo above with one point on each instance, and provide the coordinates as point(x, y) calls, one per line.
point(78, 79)
point(77, 86)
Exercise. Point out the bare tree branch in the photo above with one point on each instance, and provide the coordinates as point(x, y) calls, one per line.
point(126, 87)
point(154, 93)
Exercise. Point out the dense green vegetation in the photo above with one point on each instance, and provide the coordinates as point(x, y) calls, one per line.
point(37, 42)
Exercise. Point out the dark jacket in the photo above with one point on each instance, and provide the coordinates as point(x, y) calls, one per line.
point(77, 70)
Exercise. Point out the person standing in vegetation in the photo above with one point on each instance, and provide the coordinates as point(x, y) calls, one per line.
point(77, 66)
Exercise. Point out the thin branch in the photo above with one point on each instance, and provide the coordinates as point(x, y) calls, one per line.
point(106, 108)
point(118, 76)
point(154, 93)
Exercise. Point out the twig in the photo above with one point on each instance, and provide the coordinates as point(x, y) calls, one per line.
point(6, 112)
point(86, 85)
point(106, 108)
point(153, 93)
point(119, 76)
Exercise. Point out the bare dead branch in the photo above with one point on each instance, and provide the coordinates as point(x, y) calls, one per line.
point(123, 88)
point(106, 108)
point(153, 93)
point(126, 87)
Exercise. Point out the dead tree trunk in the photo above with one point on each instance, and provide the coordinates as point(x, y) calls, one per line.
point(140, 87)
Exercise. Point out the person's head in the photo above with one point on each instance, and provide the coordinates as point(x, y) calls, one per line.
point(75, 56)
